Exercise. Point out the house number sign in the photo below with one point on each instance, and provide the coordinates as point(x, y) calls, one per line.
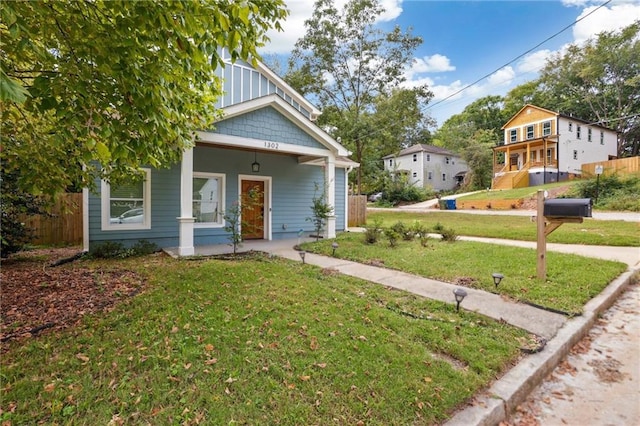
point(271, 145)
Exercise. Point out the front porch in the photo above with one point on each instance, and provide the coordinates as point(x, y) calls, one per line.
point(513, 162)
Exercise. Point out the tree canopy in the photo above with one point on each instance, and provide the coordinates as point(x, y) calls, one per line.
point(100, 88)
point(349, 66)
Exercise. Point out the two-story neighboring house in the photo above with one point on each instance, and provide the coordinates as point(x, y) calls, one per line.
point(428, 166)
point(543, 146)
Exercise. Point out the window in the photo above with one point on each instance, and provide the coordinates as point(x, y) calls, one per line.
point(546, 128)
point(429, 175)
point(127, 206)
point(415, 157)
point(570, 127)
point(208, 199)
point(589, 134)
point(578, 132)
point(513, 135)
point(415, 174)
point(391, 162)
point(601, 137)
point(444, 177)
point(446, 160)
point(428, 157)
point(529, 132)
point(575, 154)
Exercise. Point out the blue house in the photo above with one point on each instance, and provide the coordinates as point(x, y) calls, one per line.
point(265, 143)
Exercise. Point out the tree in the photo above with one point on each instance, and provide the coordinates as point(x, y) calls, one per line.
point(100, 88)
point(346, 63)
point(600, 82)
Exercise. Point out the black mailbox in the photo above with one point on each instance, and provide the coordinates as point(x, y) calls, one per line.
point(568, 207)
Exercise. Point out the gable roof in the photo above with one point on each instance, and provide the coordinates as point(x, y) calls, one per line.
point(557, 114)
point(419, 147)
point(290, 112)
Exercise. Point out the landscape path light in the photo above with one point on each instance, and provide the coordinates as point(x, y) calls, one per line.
point(302, 255)
point(334, 246)
point(460, 294)
point(497, 277)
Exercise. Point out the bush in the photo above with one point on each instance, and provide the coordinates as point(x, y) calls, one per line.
point(613, 192)
point(15, 205)
point(372, 233)
point(117, 250)
point(392, 236)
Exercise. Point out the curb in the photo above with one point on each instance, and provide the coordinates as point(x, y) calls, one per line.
point(498, 402)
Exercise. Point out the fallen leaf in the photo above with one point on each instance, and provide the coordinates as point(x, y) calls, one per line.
point(50, 387)
point(208, 347)
point(305, 378)
point(211, 361)
point(314, 343)
point(82, 357)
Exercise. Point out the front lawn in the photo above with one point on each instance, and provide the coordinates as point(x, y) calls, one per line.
point(256, 340)
point(590, 232)
point(571, 280)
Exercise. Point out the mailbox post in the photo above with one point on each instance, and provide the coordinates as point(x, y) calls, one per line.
point(552, 214)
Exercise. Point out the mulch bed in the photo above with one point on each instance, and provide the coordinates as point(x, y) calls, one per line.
point(40, 298)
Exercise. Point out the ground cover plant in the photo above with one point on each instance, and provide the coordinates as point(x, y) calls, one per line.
point(590, 231)
point(254, 340)
point(571, 280)
point(516, 193)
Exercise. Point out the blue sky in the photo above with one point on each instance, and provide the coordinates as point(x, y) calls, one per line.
point(465, 40)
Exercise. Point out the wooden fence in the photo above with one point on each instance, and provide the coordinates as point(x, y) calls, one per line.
point(621, 166)
point(63, 226)
point(357, 210)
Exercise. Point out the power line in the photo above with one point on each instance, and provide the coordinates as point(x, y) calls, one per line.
point(519, 56)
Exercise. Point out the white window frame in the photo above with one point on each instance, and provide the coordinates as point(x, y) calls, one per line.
point(105, 195)
point(589, 134)
point(546, 128)
point(578, 132)
point(444, 177)
point(513, 135)
point(222, 197)
point(415, 157)
point(601, 137)
point(575, 154)
point(429, 175)
point(570, 126)
point(530, 132)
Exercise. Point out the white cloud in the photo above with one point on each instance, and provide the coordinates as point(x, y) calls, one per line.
point(502, 77)
point(613, 18)
point(534, 62)
point(300, 10)
point(433, 63)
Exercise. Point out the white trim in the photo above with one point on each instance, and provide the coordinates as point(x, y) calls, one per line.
point(105, 195)
point(85, 219)
point(315, 112)
point(259, 144)
point(266, 217)
point(222, 196)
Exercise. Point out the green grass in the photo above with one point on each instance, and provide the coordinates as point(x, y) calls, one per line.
point(256, 341)
point(590, 232)
point(571, 280)
point(513, 194)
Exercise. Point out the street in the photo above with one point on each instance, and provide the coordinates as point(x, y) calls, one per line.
point(598, 383)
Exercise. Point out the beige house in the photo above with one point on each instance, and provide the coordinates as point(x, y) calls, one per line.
point(542, 146)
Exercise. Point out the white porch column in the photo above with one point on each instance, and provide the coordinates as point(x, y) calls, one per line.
point(186, 219)
point(330, 182)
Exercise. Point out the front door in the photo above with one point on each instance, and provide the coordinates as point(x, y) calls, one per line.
point(252, 199)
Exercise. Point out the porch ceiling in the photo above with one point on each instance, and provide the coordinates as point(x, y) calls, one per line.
point(533, 143)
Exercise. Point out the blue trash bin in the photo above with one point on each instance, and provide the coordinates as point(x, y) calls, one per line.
point(451, 204)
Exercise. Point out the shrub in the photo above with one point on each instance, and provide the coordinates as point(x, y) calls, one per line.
point(392, 236)
point(419, 229)
point(372, 233)
point(117, 250)
point(449, 235)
